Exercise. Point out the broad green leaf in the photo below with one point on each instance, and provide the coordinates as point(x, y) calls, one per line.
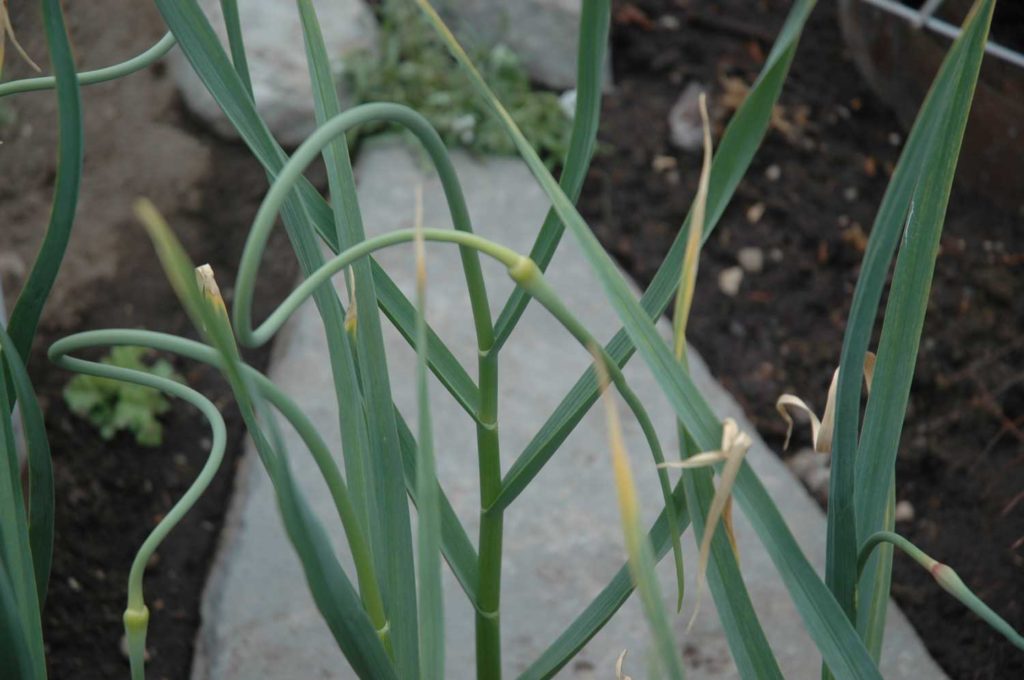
point(428, 562)
point(942, 129)
point(15, 548)
point(355, 435)
point(387, 512)
point(29, 307)
point(15, 656)
point(40, 468)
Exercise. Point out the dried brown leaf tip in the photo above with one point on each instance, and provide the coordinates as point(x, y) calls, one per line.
point(821, 430)
point(733, 449)
point(207, 283)
point(7, 31)
point(619, 675)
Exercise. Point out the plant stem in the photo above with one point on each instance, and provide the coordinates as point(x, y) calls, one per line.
point(947, 579)
point(102, 75)
point(488, 605)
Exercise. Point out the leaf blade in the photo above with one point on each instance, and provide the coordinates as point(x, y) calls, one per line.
point(908, 301)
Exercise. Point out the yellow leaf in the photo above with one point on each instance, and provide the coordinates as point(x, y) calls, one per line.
point(691, 258)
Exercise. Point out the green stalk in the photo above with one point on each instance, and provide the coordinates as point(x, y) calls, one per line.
point(29, 306)
point(102, 75)
point(488, 605)
point(947, 579)
point(354, 533)
point(136, 614)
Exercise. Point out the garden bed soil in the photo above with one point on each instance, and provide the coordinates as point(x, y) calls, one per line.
point(807, 204)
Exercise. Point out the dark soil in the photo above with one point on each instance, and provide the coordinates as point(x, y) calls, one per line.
point(961, 463)
point(111, 494)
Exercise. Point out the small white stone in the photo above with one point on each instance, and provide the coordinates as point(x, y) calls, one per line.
point(12, 265)
point(465, 127)
point(669, 22)
point(850, 194)
point(751, 259)
point(729, 280)
point(895, 139)
point(684, 124)
point(773, 172)
point(567, 100)
point(756, 212)
point(904, 511)
point(805, 461)
point(664, 163)
point(817, 481)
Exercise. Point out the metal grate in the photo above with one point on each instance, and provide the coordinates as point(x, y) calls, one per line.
point(924, 17)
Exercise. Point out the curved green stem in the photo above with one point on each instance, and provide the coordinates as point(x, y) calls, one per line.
point(136, 615)
point(242, 309)
point(947, 579)
point(522, 270)
point(102, 75)
point(291, 174)
point(198, 351)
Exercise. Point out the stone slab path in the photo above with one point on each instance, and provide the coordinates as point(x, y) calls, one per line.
point(563, 540)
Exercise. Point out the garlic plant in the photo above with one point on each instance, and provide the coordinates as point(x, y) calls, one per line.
point(386, 616)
